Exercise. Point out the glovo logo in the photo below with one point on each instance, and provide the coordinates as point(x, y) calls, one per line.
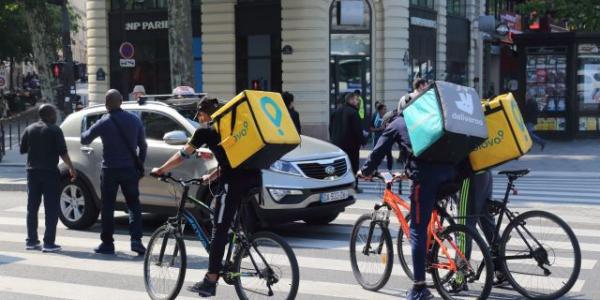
point(242, 133)
point(273, 112)
point(492, 141)
point(519, 118)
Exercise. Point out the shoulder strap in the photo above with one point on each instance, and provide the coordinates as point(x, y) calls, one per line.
point(131, 151)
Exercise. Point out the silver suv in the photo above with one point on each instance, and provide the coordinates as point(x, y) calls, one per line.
point(312, 183)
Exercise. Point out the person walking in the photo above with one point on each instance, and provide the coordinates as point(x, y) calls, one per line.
point(377, 127)
point(288, 98)
point(532, 112)
point(121, 133)
point(138, 92)
point(44, 143)
point(346, 130)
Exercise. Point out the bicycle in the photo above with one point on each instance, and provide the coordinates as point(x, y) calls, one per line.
point(455, 273)
point(254, 273)
point(517, 255)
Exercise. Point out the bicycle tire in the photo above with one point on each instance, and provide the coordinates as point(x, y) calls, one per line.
point(389, 256)
point(288, 252)
point(521, 219)
point(155, 240)
point(404, 261)
point(439, 282)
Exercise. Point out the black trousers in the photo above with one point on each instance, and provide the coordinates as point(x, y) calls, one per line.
point(44, 183)
point(236, 186)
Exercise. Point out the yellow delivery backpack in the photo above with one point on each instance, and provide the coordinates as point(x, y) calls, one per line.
point(508, 137)
point(256, 129)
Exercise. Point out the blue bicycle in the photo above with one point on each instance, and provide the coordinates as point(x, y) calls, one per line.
point(259, 265)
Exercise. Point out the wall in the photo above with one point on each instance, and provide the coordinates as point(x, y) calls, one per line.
point(79, 47)
point(440, 65)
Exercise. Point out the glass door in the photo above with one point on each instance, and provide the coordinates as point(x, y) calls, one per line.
point(349, 74)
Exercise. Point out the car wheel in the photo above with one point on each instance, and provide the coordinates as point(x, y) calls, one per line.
point(322, 220)
point(77, 207)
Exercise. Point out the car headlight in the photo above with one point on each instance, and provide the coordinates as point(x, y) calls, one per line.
point(278, 194)
point(283, 166)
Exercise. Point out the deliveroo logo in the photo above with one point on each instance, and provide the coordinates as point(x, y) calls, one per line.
point(274, 113)
point(466, 103)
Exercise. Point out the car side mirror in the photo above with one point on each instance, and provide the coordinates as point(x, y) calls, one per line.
point(176, 137)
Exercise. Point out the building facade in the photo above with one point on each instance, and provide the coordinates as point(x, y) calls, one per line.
point(316, 49)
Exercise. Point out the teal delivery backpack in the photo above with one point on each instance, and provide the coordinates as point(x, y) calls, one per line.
point(445, 123)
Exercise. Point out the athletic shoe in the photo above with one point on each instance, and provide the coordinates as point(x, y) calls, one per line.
point(500, 280)
point(33, 246)
point(51, 248)
point(204, 288)
point(419, 294)
point(105, 248)
point(138, 247)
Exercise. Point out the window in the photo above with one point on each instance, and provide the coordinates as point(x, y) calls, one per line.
point(138, 4)
point(422, 3)
point(457, 8)
point(157, 125)
point(90, 120)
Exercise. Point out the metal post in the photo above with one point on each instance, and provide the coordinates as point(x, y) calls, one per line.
point(68, 78)
point(9, 136)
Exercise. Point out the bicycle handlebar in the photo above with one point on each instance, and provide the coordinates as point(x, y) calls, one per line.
point(169, 177)
point(382, 176)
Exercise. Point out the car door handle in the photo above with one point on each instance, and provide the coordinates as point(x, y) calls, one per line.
point(87, 150)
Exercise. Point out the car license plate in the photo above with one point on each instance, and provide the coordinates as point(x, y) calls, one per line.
point(334, 196)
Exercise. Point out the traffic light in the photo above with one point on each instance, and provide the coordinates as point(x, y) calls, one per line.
point(57, 69)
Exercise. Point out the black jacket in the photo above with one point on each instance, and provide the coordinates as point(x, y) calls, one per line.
point(532, 112)
point(296, 118)
point(345, 128)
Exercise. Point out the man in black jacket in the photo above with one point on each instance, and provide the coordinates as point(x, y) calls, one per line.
point(346, 130)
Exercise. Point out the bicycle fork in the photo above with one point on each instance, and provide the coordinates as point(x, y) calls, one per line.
point(377, 217)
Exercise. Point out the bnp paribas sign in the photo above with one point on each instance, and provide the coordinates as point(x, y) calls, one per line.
point(147, 25)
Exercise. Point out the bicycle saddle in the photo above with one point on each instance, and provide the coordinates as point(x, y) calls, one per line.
point(514, 173)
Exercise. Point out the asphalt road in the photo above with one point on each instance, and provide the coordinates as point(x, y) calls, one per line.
point(77, 273)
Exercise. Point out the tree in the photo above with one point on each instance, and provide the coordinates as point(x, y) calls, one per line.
point(580, 15)
point(180, 43)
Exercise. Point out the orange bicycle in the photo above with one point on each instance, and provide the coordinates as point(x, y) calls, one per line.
point(458, 258)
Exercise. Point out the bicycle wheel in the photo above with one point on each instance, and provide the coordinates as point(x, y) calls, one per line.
point(554, 259)
point(475, 270)
point(405, 251)
point(268, 269)
point(164, 264)
point(371, 263)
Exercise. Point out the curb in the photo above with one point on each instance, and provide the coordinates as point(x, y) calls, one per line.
point(9, 165)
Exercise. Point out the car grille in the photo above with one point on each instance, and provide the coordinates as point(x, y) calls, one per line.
point(318, 170)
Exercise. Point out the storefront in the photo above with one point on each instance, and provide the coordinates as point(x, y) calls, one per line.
point(139, 46)
point(561, 72)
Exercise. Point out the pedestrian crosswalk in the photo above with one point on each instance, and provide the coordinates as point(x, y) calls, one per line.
point(322, 253)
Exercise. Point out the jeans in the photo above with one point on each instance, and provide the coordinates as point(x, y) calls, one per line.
point(235, 188)
point(536, 139)
point(42, 183)
point(429, 179)
point(128, 180)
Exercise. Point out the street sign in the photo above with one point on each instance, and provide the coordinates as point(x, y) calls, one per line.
point(127, 63)
point(126, 50)
point(100, 75)
point(2, 82)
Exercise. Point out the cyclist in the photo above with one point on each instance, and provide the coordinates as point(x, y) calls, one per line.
point(235, 184)
point(427, 179)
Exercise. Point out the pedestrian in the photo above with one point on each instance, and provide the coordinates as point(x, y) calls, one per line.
point(288, 98)
point(346, 130)
point(361, 104)
point(419, 86)
point(44, 143)
point(121, 133)
point(138, 92)
point(377, 127)
point(532, 112)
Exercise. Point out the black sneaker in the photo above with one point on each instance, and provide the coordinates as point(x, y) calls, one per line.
point(456, 287)
point(105, 248)
point(204, 288)
point(51, 248)
point(500, 281)
point(138, 247)
point(33, 246)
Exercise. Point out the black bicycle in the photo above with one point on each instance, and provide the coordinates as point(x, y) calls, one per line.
point(538, 252)
point(259, 265)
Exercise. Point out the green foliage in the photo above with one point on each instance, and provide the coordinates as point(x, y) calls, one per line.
point(14, 32)
point(581, 15)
